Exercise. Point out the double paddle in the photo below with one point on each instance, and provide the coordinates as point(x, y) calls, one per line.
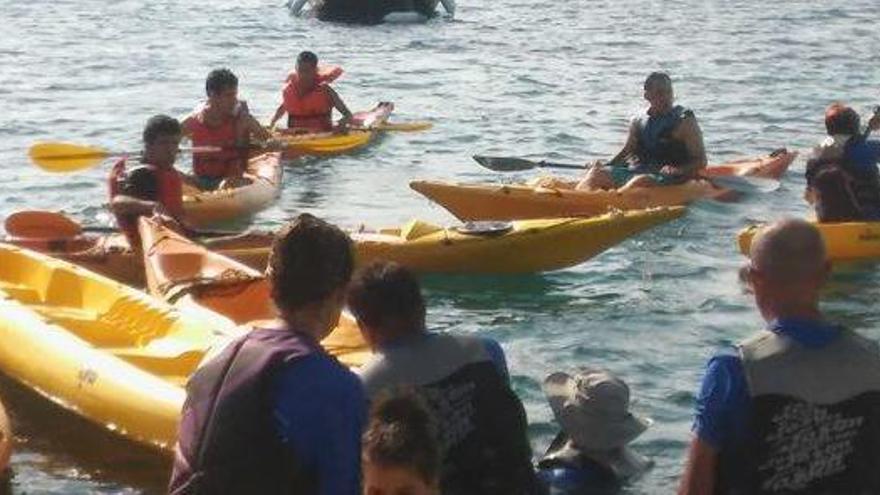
point(738, 183)
point(41, 224)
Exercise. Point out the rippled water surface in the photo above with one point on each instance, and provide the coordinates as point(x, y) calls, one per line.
point(531, 78)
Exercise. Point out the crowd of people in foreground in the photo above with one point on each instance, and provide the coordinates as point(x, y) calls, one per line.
point(794, 409)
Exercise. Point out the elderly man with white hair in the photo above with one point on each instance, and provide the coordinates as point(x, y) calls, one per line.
point(796, 408)
point(664, 145)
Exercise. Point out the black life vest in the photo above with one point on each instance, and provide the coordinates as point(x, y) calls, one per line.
point(815, 422)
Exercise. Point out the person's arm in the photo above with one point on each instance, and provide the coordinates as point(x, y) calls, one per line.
point(249, 126)
point(279, 112)
point(630, 147)
point(699, 472)
point(721, 418)
point(339, 105)
point(690, 134)
point(127, 205)
point(320, 412)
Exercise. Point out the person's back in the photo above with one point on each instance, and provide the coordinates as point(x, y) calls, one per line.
point(463, 380)
point(843, 180)
point(796, 408)
point(273, 412)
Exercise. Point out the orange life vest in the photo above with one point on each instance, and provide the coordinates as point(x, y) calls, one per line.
point(221, 163)
point(169, 195)
point(313, 110)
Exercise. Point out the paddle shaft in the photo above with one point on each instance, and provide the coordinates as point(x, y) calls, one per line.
point(197, 233)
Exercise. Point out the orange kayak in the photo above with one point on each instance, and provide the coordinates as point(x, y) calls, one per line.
point(470, 202)
point(205, 208)
point(188, 275)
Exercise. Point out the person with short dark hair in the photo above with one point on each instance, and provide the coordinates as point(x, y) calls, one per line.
point(400, 453)
point(843, 179)
point(664, 145)
point(307, 98)
point(154, 186)
point(222, 121)
point(273, 412)
point(795, 408)
point(464, 381)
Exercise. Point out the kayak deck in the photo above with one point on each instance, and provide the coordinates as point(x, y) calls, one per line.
point(205, 208)
point(118, 357)
point(189, 275)
point(367, 125)
point(472, 202)
point(845, 241)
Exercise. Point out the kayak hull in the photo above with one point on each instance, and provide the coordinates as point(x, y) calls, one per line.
point(848, 241)
point(99, 349)
point(188, 275)
point(530, 246)
point(330, 144)
point(472, 202)
point(371, 11)
point(206, 208)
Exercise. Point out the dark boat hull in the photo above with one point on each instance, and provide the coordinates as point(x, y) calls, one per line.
point(371, 11)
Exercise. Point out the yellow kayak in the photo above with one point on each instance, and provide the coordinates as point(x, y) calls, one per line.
point(189, 275)
point(365, 128)
point(849, 241)
point(524, 246)
point(98, 348)
point(205, 208)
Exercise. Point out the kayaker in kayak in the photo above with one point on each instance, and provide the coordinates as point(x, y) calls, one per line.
point(401, 452)
point(843, 180)
point(308, 100)
point(464, 380)
point(154, 186)
point(224, 121)
point(591, 453)
point(272, 412)
point(794, 408)
point(664, 145)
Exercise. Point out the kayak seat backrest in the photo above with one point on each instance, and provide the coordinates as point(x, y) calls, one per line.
point(415, 229)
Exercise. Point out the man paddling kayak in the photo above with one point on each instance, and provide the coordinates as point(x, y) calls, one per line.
point(153, 187)
point(794, 409)
point(843, 180)
point(223, 121)
point(664, 145)
point(308, 100)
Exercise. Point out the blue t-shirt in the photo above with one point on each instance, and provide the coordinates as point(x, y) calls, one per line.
point(724, 404)
point(864, 155)
point(320, 413)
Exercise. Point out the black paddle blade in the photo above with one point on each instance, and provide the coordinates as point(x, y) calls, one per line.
point(505, 164)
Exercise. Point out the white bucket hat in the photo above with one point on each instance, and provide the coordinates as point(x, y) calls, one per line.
point(592, 407)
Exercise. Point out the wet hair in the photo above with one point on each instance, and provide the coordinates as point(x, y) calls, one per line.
point(660, 79)
point(310, 259)
point(220, 79)
point(160, 125)
point(841, 119)
point(307, 57)
point(402, 433)
point(385, 294)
